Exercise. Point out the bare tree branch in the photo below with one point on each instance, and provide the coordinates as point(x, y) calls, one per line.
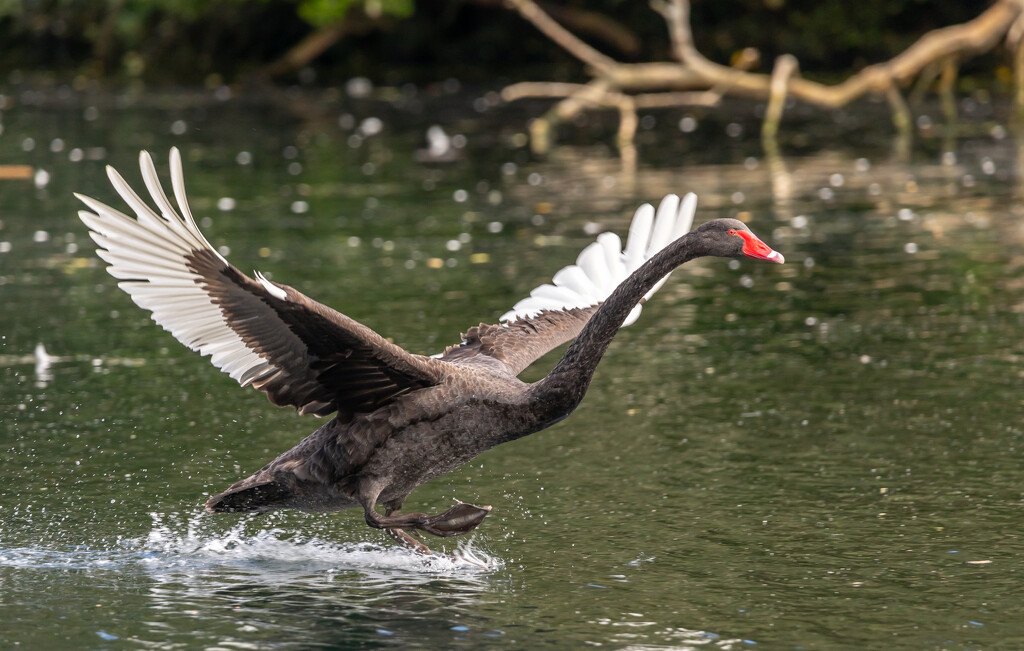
point(785, 67)
point(693, 71)
point(320, 40)
point(569, 42)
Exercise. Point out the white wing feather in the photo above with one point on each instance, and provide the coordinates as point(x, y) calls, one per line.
point(603, 265)
point(150, 256)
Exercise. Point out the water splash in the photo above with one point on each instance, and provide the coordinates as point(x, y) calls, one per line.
point(199, 541)
point(193, 543)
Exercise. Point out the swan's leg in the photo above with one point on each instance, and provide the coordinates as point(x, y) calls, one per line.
point(461, 518)
point(405, 539)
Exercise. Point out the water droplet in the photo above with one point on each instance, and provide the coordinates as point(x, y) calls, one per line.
point(734, 129)
point(688, 125)
point(910, 247)
point(358, 87)
point(224, 204)
point(178, 127)
point(862, 165)
point(41, 179)
point(460, 196)
point(243, 158)
point(371, 126)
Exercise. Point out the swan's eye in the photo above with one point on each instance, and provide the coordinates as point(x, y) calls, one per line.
point(732, 231)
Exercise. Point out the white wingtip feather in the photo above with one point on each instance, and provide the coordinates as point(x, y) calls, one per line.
point(153, 254)
point(685, 219)
point(601, 267)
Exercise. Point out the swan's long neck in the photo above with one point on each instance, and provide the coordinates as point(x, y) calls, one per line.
point(565, 385)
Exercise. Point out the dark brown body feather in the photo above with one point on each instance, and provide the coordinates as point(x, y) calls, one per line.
point(475, 403)
point(381, 456)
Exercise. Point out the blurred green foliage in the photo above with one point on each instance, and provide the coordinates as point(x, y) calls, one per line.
point(174, 40)
point(324, 12)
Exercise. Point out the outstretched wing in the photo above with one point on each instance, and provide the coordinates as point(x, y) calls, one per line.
point(555, 313)
point(297, 351)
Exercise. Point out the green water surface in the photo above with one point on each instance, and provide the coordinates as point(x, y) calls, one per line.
point(825, 454)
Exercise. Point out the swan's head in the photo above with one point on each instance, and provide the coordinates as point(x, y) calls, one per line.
point(730, 238)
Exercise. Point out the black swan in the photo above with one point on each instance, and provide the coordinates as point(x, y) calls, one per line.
point(400, 419)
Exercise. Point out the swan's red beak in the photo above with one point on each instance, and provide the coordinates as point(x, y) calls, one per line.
point(755, 248)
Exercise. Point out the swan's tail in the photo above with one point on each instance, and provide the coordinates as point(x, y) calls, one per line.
point(253, 498)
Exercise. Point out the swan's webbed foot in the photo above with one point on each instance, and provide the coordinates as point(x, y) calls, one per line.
point(461, 518)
